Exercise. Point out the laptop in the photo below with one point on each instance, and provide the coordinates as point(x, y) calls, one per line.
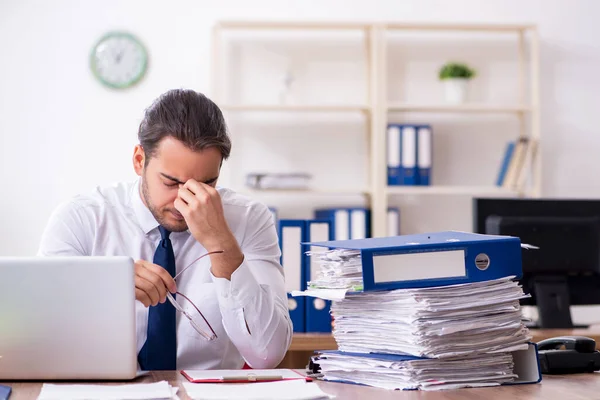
point(67, 318)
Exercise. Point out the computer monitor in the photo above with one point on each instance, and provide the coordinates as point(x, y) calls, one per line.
point(565, 270)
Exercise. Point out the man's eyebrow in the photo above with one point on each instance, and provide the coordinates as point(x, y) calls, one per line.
point(211, 180)
point(206, 182)
point(172, 179)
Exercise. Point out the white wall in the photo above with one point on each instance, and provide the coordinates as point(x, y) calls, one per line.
point(62, 133)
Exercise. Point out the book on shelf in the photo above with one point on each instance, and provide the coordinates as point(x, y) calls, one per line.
point(516, 163)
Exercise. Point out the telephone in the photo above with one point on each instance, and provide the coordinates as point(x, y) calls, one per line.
point(568, 355)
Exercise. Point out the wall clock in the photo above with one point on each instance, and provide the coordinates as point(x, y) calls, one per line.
point(119, 60)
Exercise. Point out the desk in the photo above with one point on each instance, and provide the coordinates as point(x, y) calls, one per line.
point(581, 386)
point(304, 344)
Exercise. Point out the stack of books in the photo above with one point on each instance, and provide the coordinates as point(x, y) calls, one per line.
point(430, 311)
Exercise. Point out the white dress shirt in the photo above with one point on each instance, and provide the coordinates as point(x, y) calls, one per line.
point(113, 221)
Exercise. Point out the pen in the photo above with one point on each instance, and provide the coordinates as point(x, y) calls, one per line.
point(253, 378)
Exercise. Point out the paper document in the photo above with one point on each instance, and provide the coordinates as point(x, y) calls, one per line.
point(151, 391)
point(241, 375)
point(281, 390)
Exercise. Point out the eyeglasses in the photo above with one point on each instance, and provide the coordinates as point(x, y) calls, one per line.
point(197, 314)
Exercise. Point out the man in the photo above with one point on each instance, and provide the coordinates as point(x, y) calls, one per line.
point(172, 215)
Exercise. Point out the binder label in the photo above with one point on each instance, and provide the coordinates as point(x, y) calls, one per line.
point(419, 266)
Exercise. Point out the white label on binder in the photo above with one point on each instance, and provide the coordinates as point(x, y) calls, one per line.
point(342, 230)
point(359, 224)
point(424, 147)
point(319, 232)
point(393, 146)
point(409, 147)
point(393, 228)
point(419, 266)
point(291, 257)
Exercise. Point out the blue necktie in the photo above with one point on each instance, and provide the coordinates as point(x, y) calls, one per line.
point(160, 350)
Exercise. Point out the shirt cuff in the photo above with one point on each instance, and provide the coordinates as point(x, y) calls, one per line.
point(238, 291)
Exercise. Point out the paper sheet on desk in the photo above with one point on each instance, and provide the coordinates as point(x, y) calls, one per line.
point(279, 390)
point(151, 391)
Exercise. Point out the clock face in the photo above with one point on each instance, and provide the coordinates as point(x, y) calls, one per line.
point(119, 60)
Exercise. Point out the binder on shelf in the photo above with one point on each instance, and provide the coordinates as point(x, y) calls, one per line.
point(292, 233)
point(508, 153)
point(408, 160)
point(347, 222)
point(433, 259)
point(393, 221)
point(393, 155)
point(424, 154)
point(318, 317)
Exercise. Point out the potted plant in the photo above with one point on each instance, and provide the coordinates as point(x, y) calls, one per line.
point(456, 77)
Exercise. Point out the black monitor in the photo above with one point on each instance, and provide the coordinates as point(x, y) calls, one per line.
point(565, 270)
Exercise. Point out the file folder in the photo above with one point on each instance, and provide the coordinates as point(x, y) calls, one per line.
point(291, 234)
point(433, 259)
point(318, 317)
point(408, 159)
point(393, 221)
point(347, 222)
point(424, 155)
point(393, 155)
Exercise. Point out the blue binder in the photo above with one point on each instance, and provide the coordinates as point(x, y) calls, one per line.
point(424, 154)
point(291, 234)
point(433, 259)
point(393, 154)
point(347, 222)
point(393, 221)
point(408, 159)
point(318, 317)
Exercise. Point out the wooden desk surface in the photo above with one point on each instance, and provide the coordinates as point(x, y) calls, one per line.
point(572, 387)
point(325, 341)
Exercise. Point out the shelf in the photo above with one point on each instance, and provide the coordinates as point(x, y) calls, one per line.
point(295, 108)
point(287, 25)
point(459, 108)
point(363, 25)
point(460, 27)
point(459, 190)
point(307, 192)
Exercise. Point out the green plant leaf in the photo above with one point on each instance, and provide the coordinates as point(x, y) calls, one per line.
point(456, 70)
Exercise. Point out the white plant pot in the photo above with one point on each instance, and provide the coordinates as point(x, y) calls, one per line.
point(456, 90)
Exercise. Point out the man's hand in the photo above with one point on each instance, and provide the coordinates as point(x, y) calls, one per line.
point(152, 282)
point(201, 206)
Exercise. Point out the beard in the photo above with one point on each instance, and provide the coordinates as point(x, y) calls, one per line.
point(161, 215)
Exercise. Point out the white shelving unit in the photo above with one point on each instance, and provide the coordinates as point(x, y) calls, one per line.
point(377, 108)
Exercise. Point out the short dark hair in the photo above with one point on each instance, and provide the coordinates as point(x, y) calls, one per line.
point(187, 116)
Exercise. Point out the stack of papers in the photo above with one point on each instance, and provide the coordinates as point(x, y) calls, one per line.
point(406, 372)
point(151, 391)
point(431, 338)
point(438, 322)
point(338, 269)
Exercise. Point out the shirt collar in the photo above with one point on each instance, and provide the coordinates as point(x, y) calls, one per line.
point(144, 216)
